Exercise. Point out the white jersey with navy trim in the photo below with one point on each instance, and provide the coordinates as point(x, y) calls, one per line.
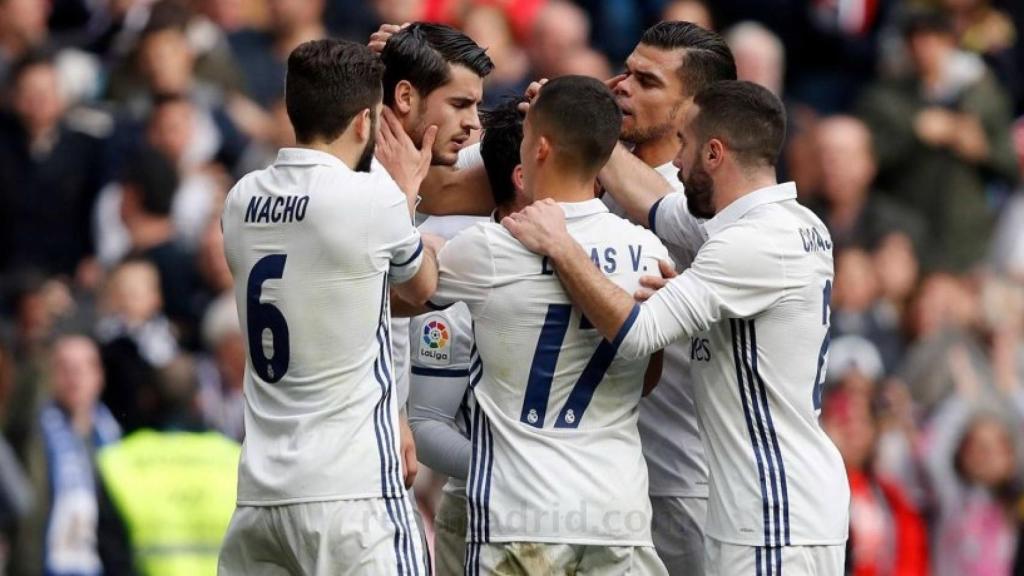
point(440, 403)
point(556, 451)
point(756, 305)
point(669, 427)
point(312, 246)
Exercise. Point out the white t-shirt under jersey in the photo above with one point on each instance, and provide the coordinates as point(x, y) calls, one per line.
point(556, 451)
point(312, 246)
point(755, 304)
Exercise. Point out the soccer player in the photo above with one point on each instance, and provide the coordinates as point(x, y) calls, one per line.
point(671, 64)
point(314, 242)
point(442, 344)
point(755, 305)
point(433, 76)
point(558, 481)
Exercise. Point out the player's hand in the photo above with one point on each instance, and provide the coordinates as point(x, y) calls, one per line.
point(380, 38)
point(408, 447)
point(540, 227)
point(531, 94)
point(433, 242)
point(407, 164)
point(651, 284)
point(612, 82)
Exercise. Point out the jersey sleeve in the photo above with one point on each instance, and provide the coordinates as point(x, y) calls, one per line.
point(469, 157)
point(436, 393)
point(465, 269)
point(393, 235)
point(733, 276)
point(672, 222)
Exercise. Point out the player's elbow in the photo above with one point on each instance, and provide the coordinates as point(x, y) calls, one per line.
point(417, 292)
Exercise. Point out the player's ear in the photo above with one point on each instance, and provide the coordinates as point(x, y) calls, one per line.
point(405, 97)
point(543, 148)
point(517, 178)
point(714, 153)
point(364, 124)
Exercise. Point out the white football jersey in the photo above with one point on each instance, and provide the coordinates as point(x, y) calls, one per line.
point(440, 402)
point(556, 451)
point(669, 426)
point(755, 304)
point(312, 246)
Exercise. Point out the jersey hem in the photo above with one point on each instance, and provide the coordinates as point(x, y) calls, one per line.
point(310, 499)
point(698, 496)
point(575, 541)
point(760, 543)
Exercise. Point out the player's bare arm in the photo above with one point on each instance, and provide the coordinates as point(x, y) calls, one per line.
point(633, 184)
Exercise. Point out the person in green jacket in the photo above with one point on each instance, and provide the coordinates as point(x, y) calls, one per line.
point(942, 139)
point(173, 489)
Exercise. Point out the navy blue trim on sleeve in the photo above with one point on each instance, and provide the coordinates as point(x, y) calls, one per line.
point(652, 216)
point(441, 372)
point(411, 258)
point(626, 326)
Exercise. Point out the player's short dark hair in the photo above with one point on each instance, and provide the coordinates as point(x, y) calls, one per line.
point(328, 83)
point(578, 114)
point(499, 147)
point(747, 117)
point(706, 57)
point(422, 54)
point(153, 178)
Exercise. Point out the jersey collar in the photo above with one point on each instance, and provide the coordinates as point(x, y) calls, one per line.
point(581, 209)
point(307, 157)
point(740, 207)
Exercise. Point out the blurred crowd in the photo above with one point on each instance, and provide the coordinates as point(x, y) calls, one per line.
point(123, 124)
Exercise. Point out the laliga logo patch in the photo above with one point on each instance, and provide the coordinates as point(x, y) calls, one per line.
point(434, 343)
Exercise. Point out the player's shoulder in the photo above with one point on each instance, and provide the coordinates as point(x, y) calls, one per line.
point(615, 226)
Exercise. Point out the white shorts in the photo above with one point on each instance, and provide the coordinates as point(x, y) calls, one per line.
point(450, 536)
point(677, 527)
point(534, 558)
point(340, 537)
point(721, 559)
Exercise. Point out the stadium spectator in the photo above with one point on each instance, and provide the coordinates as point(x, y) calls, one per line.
point(49, 175)
point(941, 136)
point(262, 54)
point(150, 183)
point(759, 53)
point(857, 310)
point(695, 11)
point(488, 26)
point(22, 28)
point(887, 533)
point(220, 375)
point(560, 30)
point(856, 215)
point(62, 535)
point(169, 514)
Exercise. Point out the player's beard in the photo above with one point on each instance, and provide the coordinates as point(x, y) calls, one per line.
point(644, 135)
point(700, 192)
point(366, 160)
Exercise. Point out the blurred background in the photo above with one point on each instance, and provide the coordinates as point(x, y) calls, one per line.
point(123, 123)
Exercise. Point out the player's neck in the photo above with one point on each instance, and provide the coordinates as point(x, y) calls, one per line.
point(732, 187)
point(562, 188)
point(658, 151)
point(347, 152)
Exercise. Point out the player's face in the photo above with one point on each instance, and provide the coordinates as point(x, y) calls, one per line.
point(699, 186)
point(453, 109)
point(651, 96)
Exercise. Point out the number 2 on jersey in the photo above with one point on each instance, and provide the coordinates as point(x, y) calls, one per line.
point(542, 372)
point(262, 317)
point(819, 376)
